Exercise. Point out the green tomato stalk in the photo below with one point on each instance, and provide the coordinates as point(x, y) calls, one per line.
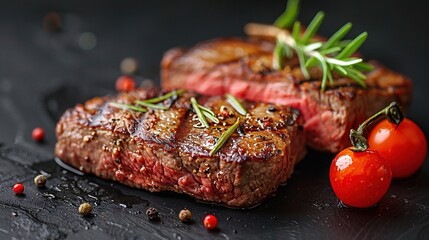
point(393, 114)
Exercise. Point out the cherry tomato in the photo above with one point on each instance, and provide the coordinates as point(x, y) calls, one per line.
point(38, 134)
point(18, 188)
point(210, 221)
point(125, 84)
point(404, 147)
point(360, 179)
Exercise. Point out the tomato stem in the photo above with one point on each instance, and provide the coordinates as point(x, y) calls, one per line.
point(393, 114)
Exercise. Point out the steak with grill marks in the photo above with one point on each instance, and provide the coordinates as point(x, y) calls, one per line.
point(242, 67)
point(163, 150)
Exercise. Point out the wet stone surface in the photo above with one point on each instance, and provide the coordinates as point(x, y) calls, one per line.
point(51, 212)
point(304, 207)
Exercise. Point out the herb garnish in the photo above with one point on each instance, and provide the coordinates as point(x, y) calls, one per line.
point(224, 137)
point(203, 113)
point(334, 55)
point(289, 16)
point(235, 103)
point(165, 96)
point(212, 117)
point(128, 107)
point(198, 111)
point(208, 110)
point(149, 103)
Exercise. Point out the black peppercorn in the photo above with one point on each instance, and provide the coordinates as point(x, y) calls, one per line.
point(271, 108)
point(240, 131)
point(152, 214)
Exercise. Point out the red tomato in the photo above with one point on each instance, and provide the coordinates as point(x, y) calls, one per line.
point(210, 221)
point(404, 147)
point(360, 179)
point(125, 84)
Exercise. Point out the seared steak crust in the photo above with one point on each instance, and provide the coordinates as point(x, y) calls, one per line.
point(243, 68)
point(162, 150)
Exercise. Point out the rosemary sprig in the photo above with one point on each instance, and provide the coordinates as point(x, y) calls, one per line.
point(289, 16)
point(151, 105)
point(127, 107)
point(334, 55)
point(197, 109)
point(235, 103)
point(224, 137)
point(165, 96)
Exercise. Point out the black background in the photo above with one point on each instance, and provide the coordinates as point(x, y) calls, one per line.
point(42, 73)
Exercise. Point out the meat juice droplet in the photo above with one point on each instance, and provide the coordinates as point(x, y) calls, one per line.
point(69, 185)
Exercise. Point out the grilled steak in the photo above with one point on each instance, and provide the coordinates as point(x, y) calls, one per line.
point(243, 68)
point(163, 150)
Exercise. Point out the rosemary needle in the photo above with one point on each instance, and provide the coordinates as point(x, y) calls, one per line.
point(208, 110)
point(151, 105)
point(127, 107)
point(289, 15)
point(208, 113)
point(224, 137)
point(236, 104)
point(165, 96)
point(199, 113)
point(210, 116)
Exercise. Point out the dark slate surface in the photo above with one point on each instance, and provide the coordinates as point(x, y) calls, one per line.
point(42, 73)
